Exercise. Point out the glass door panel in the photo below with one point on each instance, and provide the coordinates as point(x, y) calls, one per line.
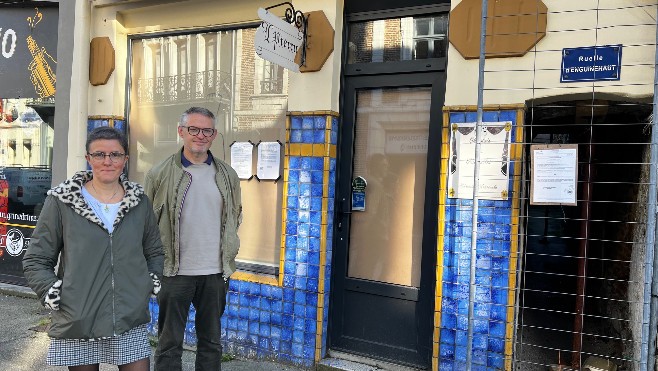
point(390, 153)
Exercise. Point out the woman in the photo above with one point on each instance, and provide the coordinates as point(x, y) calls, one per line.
point(100, 230)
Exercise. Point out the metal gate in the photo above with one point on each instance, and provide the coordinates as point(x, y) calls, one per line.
point(580, 212)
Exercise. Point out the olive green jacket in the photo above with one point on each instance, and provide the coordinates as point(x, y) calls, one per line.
point(166, 185)
point(106, 285)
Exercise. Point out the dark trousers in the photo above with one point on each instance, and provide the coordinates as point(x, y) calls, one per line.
point(208, 295)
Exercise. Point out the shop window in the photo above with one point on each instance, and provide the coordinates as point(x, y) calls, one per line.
point(398, 39)
point(26, 147)
point(220, 71)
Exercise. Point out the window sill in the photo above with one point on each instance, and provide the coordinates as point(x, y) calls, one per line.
point(255, 277)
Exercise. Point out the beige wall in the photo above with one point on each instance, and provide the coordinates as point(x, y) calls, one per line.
point(570, 24)
point(309, 91)
point(76, 95)
point(119, 21)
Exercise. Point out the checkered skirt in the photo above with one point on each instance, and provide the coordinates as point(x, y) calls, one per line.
point(128, 347)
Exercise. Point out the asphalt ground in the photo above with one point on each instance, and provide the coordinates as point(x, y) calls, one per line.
point(24, 344)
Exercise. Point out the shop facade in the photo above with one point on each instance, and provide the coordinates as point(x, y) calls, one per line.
point(369, 243)
point(29, 35)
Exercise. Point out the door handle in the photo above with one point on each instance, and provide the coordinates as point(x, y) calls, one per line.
point(341, 214)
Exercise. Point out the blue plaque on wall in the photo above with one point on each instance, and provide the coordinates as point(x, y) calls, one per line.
point(593, 63)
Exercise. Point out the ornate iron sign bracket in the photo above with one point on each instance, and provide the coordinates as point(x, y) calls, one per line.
point(297, 18)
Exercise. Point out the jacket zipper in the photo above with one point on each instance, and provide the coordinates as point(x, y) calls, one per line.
point(224, 216)
point(114, 319)
point(114, 316)
point(180, 212)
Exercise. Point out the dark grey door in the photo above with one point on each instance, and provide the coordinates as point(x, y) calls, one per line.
point(385, 254)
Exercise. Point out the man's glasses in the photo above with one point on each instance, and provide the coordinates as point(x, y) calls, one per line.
point(100, 156)
point(193, 130)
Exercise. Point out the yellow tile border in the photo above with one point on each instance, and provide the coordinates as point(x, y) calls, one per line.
point(328, 126)
point(295, 149)
point(258, 278)
point(516, 154)
point(323, 260)
point(105, 117)
point(310, 150)
point(318, 150)
point(313, 113)
point(307, 149)
point(443, 183)
point(488, 107)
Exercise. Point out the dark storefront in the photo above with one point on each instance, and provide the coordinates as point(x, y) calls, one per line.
point(28, 49)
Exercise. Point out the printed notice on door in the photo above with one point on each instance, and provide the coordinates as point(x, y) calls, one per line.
point(554, 174)
point(269, 160)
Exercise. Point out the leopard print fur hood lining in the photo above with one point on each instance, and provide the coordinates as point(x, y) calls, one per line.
point(70, 194)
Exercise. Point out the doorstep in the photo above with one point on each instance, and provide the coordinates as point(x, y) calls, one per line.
point(339, 361)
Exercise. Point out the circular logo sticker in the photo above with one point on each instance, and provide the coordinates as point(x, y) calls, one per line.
point(15, 242)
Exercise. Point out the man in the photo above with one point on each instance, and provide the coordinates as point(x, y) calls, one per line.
point(197, 200)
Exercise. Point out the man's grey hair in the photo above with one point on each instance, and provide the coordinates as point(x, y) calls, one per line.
point(198, 110)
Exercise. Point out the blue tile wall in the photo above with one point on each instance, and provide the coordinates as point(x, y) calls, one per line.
point(491, 278)
point(118, 124)
point(280, 323)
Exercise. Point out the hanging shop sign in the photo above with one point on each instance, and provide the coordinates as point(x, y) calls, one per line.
point(493, 180)
point(594, 63)
point(278, 40)
point(319, 42)
point(28, 52)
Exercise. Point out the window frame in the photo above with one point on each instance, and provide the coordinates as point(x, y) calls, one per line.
point(243, 266)
point(405, 66)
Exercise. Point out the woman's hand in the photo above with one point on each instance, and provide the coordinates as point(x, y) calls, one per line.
point(53, 296)
point(156, 283)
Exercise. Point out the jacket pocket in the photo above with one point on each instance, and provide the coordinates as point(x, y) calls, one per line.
point(232, 245)
point(162, 217)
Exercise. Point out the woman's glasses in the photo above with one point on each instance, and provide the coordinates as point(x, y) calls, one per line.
point(100, 156)
point(193, 130)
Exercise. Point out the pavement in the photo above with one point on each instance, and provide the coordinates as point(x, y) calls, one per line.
point(24, 344)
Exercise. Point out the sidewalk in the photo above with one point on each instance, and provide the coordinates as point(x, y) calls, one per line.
point(24, 345)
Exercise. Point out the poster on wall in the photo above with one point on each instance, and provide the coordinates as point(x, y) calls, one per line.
point(494, 160)
point(269, 161)
point(242, 159)
point(28, 45)
point(554, 174)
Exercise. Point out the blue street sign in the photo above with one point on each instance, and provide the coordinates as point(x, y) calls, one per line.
point(593, 63)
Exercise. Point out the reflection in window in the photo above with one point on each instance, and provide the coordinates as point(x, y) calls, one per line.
point(398, 39)
point(272, 82)
point(220, 71)
point(430, 37)
point(26, 150)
